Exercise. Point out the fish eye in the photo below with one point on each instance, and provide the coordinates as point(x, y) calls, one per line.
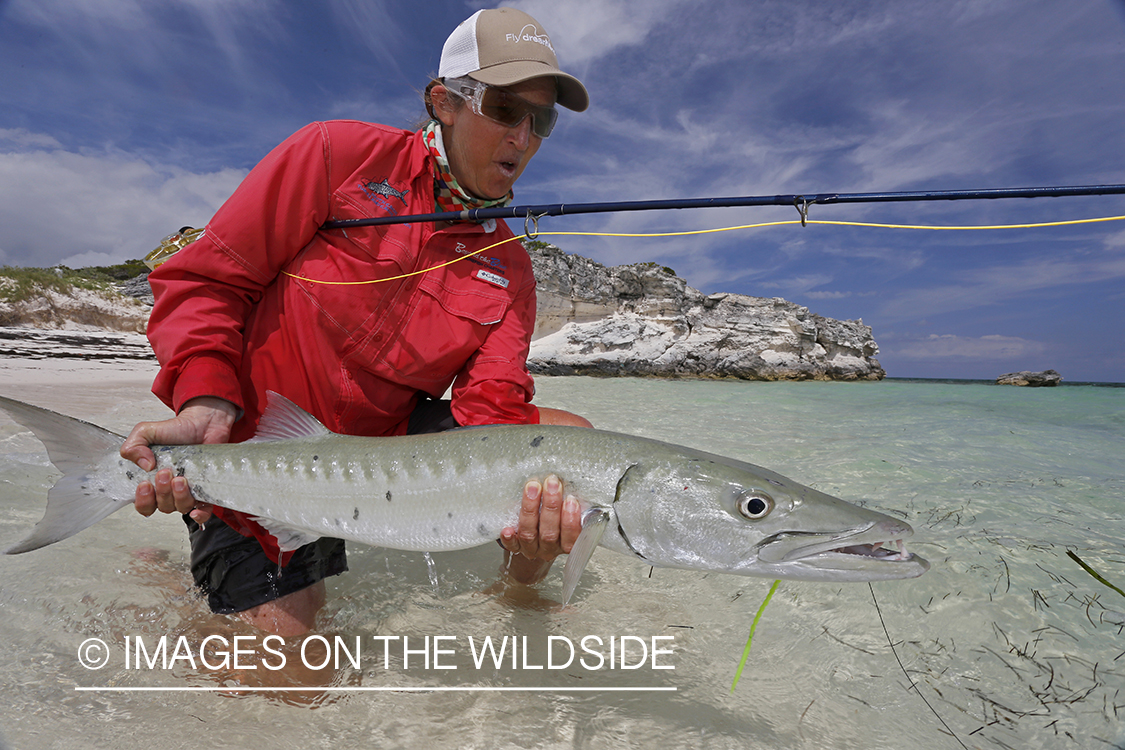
point(755, 505)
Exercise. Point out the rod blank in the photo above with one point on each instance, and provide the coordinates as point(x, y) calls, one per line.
point(801, 202)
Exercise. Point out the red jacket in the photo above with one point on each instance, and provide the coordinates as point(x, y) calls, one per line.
point(229, 320)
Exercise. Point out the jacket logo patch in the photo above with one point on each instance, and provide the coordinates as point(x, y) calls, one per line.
point(492, 278)
point(374, 190)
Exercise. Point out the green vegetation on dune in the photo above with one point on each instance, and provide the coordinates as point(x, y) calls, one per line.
point(18, 283)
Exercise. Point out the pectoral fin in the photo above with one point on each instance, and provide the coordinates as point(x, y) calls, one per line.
point(288, 538)
point(593, 526)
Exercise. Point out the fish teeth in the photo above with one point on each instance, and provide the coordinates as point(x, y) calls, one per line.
point(902, 553)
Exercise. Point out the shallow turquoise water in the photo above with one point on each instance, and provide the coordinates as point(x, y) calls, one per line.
point(1007, 638)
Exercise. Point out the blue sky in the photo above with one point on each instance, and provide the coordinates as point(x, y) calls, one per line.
point(121, 120)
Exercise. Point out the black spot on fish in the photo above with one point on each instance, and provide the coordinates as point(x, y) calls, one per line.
point(484, 438)
point(316, 458)
point(355, 515)
point(388, 496)
point(535, 443)
point(483, 531)
point(449, 514)
point(129, 475)
point(180, 471)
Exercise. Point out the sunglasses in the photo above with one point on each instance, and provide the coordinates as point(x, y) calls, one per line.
point(502, 106)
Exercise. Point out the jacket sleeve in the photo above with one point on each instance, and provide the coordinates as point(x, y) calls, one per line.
point(495, 387)
point(205, 292)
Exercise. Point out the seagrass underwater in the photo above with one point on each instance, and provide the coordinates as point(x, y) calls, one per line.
point(1022, 644)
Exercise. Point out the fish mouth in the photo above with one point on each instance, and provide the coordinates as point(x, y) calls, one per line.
point(876, 548)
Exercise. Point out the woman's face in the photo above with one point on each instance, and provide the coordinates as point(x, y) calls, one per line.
point(485, 156)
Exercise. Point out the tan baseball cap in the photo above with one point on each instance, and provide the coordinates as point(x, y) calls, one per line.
point(505, 46)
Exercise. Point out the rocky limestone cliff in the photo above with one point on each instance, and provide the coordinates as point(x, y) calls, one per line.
point(642, 319)
point(638, 319)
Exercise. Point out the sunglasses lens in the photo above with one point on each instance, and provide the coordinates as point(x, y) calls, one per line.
point(510, 110)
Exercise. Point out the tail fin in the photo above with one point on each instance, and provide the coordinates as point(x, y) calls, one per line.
point(76, 448)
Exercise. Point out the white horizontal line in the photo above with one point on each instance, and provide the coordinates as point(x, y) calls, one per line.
point(467, 689)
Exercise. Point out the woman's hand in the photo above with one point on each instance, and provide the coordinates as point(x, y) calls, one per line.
point(548, 526)
point(549, 521)
point(202, 420)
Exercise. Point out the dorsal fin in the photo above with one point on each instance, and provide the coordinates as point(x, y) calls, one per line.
point(284, 420)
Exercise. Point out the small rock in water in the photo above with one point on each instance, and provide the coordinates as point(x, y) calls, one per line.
point(1031, 379)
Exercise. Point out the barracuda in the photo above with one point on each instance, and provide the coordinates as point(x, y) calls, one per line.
point(664, 504)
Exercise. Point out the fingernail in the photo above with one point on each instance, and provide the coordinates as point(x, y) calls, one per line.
point(179, 484)
point(553, 484)
point(532, 489)
point(570, 505)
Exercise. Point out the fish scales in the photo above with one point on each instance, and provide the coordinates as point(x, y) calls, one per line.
point(443, 494)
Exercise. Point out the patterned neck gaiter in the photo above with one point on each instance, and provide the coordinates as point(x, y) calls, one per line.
point(447, 193)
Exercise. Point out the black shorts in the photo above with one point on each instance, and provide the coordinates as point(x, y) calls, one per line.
point(235, 574)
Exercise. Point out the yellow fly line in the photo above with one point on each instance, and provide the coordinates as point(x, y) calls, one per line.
point(1039, 225)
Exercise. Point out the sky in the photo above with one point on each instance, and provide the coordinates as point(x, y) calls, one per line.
point(122, 120)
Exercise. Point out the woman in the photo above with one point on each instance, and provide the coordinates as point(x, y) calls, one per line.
point(252, 306)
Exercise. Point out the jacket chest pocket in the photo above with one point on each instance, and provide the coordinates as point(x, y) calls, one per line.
point(450, 317)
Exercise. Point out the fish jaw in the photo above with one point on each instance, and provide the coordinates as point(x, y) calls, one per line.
point(874, 552)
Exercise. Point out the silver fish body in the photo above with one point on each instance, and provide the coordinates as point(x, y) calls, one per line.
point(665, 504)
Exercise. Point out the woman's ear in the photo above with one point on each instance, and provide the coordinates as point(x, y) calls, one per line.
point(442, 106)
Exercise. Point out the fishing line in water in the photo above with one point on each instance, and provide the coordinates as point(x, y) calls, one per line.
point(803, 221)
point(910, 679)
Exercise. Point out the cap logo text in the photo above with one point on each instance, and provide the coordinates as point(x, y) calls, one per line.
point(528, 34)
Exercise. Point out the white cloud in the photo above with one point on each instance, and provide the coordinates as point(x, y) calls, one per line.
point(799, 285)
point(584, 30)
point(20, 138)
point(370, 22)
point(827, 295)
point(1115, 240)
point(127, 14)
point(991, 347)
point(162, 35)
point(84, 260)
point(1003, 283)
point(105, 207)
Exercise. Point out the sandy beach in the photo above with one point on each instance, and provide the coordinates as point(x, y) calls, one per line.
point(81, 373)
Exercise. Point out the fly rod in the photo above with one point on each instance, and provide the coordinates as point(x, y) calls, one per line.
point(800, 202)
